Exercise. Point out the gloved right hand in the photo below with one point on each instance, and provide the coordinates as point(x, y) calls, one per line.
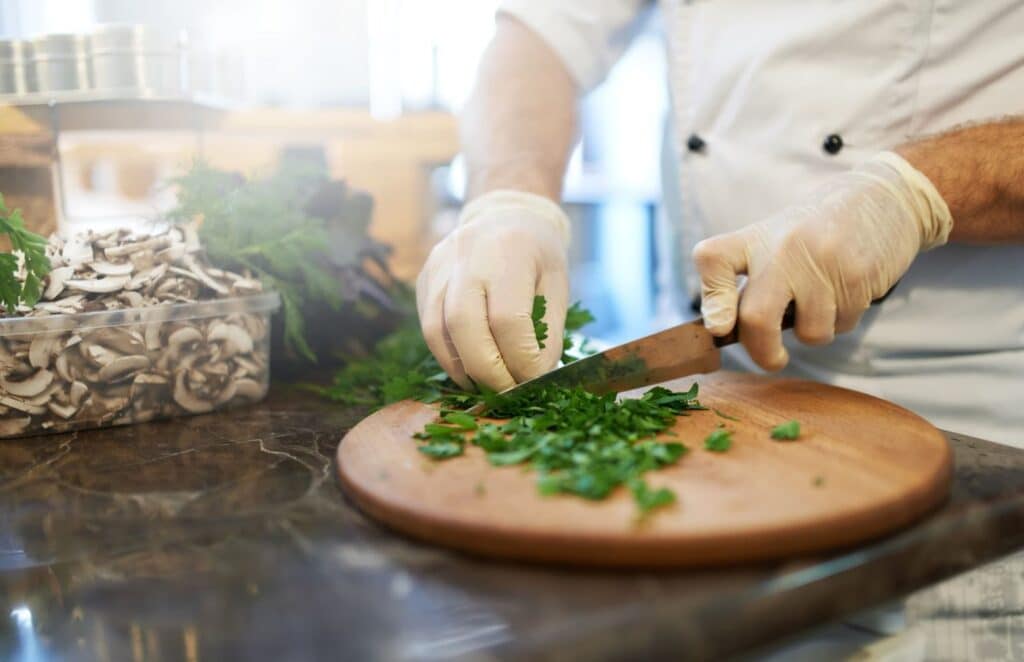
point(475, 292)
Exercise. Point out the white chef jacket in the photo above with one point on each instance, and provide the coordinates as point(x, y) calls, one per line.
point(770, 98)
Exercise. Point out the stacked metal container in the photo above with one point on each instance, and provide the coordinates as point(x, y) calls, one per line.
point(112, 61)
point(16, 73)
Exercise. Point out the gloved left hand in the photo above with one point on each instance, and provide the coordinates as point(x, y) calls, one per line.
point(831, 256)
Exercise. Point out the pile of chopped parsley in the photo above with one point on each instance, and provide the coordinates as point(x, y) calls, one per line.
point(577, 442)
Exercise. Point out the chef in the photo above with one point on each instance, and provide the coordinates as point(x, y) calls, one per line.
point(829, 152)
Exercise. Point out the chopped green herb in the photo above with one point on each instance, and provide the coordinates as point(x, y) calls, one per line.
point(786, 431)
point(719, 441)
point(648, 499)
point(461, 419)
point(819, 481)
point(480, 489)
point(441, 449)
point(578, 442)
point(540, 327)
point(26, 290)
point(722, 414)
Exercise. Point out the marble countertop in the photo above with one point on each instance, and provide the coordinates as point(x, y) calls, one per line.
point(226, 537)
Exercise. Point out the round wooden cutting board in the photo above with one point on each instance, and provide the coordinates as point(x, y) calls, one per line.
point(861, 468)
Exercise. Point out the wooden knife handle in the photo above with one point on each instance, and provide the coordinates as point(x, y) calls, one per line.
point(788, 319)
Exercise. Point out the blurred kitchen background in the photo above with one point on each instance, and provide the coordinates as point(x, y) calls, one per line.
point(367, 88)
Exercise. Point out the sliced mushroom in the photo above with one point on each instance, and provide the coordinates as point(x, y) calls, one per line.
point(77, 251)
point(97, 354)
point(183, 336)
point(43, 348)
point(131, 299)
point(249, 366)
point(146, 277)
point(63, 367)
point(155, 243)
point(193, 265)
point(99, 285)
point(227, 394)
point(123, 368)
point(77, 393)
point(29, 387)
point(118, 338)
point(112, 268)
point(188, 400)
point(236, 339)
point(56, 280)
point(21, 405)
point(64, 411)
point(172, 253)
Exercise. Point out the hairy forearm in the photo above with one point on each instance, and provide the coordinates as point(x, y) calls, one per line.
point(519, 125)
point(979, 171)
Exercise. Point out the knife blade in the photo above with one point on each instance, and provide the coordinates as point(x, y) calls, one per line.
point(681, 350)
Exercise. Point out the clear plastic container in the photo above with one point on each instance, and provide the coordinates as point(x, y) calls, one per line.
point(94, 369)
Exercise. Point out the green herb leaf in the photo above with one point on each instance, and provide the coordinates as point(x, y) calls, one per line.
point(786, 431)
point(441, 450)
point(648, 499)
point(722, 414)
point(540, 327)
point(461, 419)
point(33, 250)
point(719, 441)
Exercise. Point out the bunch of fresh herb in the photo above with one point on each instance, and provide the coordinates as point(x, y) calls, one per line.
point(302, 234)
point(578, 442)
point(26, 288)
point(401, 367)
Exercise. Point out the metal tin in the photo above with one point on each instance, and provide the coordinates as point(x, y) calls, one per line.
point(61, 62)
point(17, 75)
point(138, 57)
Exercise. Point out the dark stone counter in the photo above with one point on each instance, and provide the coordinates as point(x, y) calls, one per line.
point(225, 537)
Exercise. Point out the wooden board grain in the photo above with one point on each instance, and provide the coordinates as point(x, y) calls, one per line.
point(862, 467)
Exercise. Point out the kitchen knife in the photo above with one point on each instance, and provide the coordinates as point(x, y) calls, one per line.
point(685, 349)
point(678, 351)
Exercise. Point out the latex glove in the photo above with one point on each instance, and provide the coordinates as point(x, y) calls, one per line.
point(832, 256)
point(475, 293)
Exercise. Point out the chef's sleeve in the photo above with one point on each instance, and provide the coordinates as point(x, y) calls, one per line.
point(588, 35)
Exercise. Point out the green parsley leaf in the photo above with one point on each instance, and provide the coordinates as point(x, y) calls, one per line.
point(722, 414)
point(461, 419)
point(786, 431)
point(719, 441)
point(648, 499)
point(540, 327)
point(15, 291)
point(441, 450)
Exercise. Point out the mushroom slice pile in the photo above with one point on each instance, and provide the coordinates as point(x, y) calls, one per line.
point(131, 373)
point(140, 269)
point(119, 370)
